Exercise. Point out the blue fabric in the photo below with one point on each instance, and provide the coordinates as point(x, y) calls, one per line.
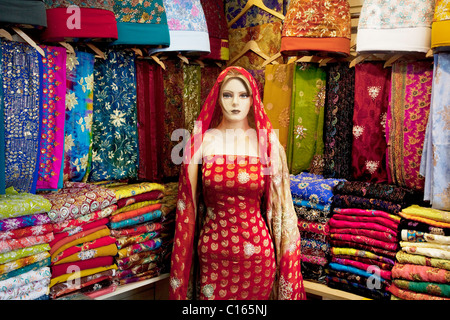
point(146, 217)
point(22, 72)
point(313, 188)
point(436, 152)
point(341, 267)
point(78, 126)
point(115, 151)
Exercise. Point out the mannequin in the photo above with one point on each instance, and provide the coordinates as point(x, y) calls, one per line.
point(234, 207)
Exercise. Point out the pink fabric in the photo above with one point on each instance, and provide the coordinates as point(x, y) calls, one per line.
point(367, 213)
point(334, 223)
point(365, 240)
point(25, 242)
point(383, 236)
point(53, 117)
point(415, 272)
point(316, 227)
point(383, 221)
point(385, 274)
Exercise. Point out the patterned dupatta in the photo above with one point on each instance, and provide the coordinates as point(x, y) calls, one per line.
point(279, 210)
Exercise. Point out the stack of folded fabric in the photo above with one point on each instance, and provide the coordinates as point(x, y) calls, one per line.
point(82, 251)
point(136, 227)
point(168, 209)
point(25, 233)
point(364, 236)
point(422, 269)
point(312, 196)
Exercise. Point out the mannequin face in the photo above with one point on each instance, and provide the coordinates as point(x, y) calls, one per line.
point(235, 101)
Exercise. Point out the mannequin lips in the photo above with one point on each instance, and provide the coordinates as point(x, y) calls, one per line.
point(235, 111)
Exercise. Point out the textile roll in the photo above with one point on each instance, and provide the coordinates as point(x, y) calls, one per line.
point(51, 144)
point(338, 120)
point(305, 139)
point(313, 187)
point(406, 28)
point(311, 25)
point(277, 97)
point(141, 23)
point(440, 28)
point(407, 120)
point(21, 69)
point(435, 158)
point(188, 30)
point(78, 122)
point(74, 19)
point(20, 12)
point(21, 205)
point(372, 88)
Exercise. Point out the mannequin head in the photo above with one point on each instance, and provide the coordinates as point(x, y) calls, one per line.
point(236, 100)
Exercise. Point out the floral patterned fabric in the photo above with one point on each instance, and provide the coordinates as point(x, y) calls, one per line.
point(305, 140)
point(268, 38)
point(149, 216)
point(313, 188)
point(317, 25)
point(22, 262)
point(25, 242)
point(51, 145)
point(254, 16)
point(14, 204)
point(408, 258)
point(372, 88)
point(23, 252)
point(77, 199)
point(78, 123)
point(277, 97)
point(114, 127)
point(338, 120)
point(407, 120)
point(22, 279)
point(217, 29)
point(435, 158)
point(440, 26)
point(21, 69)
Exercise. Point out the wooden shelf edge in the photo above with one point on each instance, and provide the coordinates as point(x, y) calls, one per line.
point(132, 286)
point(328, 293)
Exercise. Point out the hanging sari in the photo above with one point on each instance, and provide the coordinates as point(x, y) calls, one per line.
point(277, 97)
point(51, 143)
point(78, 125)
point(150, 93)
point(436, 157)
point(254, 16)
point(407, 120)
point(279, 211)
point(305, 139)
point(22, 81)
point(115, 152)
point(339, 106)
point(372, 88)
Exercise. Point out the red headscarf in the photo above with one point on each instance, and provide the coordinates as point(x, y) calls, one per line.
point(280, 214)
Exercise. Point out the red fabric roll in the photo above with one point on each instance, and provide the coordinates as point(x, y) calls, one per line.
point(70, 267)
point(91, 23)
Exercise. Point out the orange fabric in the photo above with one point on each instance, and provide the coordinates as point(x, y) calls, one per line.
point(134, 213)
point(289, 45)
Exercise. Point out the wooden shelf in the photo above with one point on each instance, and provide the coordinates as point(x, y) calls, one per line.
point(328, 293)
point(128, 289)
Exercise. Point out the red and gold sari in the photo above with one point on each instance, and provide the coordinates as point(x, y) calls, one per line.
point(276, 207)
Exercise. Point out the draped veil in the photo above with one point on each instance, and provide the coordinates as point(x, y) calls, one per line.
point(277, 206)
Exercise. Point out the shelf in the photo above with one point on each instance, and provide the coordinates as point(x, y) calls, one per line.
point(328, 293)
point(127, 288)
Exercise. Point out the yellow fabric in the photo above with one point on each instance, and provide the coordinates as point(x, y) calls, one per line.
point(95, 235)
point(440, 34)
point(428, 213)
point(129, 190)
point(79, 274)
point(135, 206)
point(277, 98)
point(108, 250)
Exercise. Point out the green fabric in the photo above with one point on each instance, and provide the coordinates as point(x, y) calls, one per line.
point(142, 34)
point(23, 12)
point(14, 204)
point(305, 140)
point(191, 95)
point(435, 289)
point(23, 252)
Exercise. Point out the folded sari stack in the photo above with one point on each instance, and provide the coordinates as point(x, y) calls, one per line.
point(82, 251)
point(136, 227)
point(422, 269)
point(312, 196)
point(364, 236)
point(25, 234)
